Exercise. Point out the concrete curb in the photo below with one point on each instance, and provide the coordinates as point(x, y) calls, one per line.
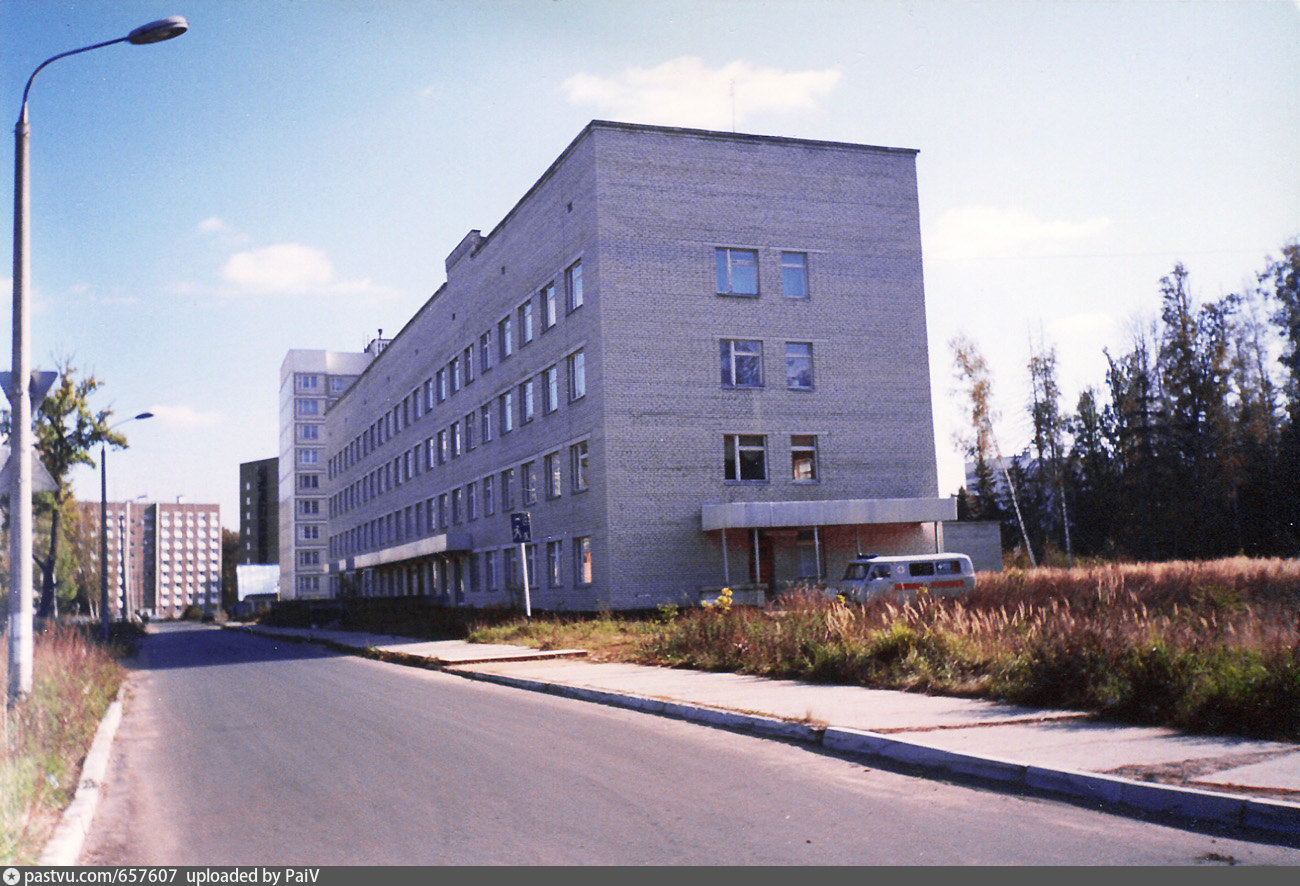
point(65, 846)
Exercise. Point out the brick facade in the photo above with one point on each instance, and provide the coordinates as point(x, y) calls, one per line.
point(643, 211)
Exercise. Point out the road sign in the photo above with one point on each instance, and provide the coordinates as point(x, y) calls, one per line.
point(521, 530)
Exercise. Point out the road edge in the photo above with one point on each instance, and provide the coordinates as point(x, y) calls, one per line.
point(65, 846)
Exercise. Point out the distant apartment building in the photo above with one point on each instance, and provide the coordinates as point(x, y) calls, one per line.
point(259, 512)
point(162, 556)
point(310, 382)
point(693, 359)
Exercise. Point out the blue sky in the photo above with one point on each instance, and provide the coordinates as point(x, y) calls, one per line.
point(293, 174)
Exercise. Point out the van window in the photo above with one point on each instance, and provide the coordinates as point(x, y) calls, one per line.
point(881, 570)
point(925, 567)
point(948, 567)
point(856, 572)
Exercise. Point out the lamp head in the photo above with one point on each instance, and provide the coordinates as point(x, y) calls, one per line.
point(156, 32)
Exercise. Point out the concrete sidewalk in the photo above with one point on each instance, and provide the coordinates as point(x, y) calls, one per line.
point(1246, 786)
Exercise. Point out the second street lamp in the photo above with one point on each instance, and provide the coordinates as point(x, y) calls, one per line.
point(105, 619)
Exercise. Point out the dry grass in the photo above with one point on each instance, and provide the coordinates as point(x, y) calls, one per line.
point(46, 736)
point(1211, 647)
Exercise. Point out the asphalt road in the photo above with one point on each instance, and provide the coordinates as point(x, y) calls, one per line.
point(241, 750)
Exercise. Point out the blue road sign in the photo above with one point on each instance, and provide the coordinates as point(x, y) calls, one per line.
point(521, 530)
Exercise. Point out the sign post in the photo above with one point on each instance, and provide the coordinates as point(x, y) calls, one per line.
point(521, 531)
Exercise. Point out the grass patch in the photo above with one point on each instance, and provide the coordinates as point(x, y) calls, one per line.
point(1209, 647)
point(45, 737)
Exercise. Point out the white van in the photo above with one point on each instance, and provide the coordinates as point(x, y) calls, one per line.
point(902, 578)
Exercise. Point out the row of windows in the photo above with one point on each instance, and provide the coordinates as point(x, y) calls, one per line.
point(512, 408)
point(741, 364)
point(499, 569)
point(310, 383)
point(494, 346)
point(523, 484)
point(737, 272)
point(745, 458)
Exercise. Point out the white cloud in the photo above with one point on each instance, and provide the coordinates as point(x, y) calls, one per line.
point(286, 267)
point(989, 232)
point(185, 417)
point(291, 269)
point(213, 225)
point(685, 92)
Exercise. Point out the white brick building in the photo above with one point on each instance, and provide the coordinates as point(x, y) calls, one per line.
point(695, 358)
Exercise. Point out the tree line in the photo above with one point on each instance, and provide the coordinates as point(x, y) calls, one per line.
point(1189, 448)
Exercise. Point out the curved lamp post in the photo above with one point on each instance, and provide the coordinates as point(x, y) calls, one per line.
point(20, 493)
point(105, 619)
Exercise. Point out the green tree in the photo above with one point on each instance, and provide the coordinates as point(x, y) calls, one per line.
point(972, 373)
point(1049, 445)
point(67, 430)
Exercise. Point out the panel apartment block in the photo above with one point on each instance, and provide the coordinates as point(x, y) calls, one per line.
point(694, 359)
point(259, 511)
point(162, 556)
point(310, 382)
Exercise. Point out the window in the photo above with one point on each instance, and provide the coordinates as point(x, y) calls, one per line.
point(553, 553)
point(530, 563)
point(308, 432)
point(504, 340)
point(803, 457)
point(794, 275)
point(744, 457)
point(507, 489)
point(309, 533)
point(469, 432)
point(491, 570)
point(525, 323)
point(528, 483)
point(578, 465)
point(582, 560)
point(471, 501)
point(527, 407)
point(507, 401)
point(453, 373)
point(442, 447)
point(737, 271)
point(577, 376)
point(573, 286)
point(552, 466)
point(309, 407)
point(485, 423)
point(549, 309)
point(308, 382)
point(441, 384)
point(485, 354)
point(457, 442)
point(550, 389)
point(489, 496)
point(442, 511)
point(467, 360)
point(457, 504)
point(309, 481)
point(799, 365)
point(308, 456)
point(308, 507)
point(741, 363)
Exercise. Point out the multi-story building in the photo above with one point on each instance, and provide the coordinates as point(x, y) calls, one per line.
point(162, 556)
point(694, 359)
point(310, 382)
point(259, 511)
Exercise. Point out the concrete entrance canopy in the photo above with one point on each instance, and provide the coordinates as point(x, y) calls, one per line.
point(845, 512)
point(454, 541)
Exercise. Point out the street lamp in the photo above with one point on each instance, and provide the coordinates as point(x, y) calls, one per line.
point(20, 493)
point(104, 619)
